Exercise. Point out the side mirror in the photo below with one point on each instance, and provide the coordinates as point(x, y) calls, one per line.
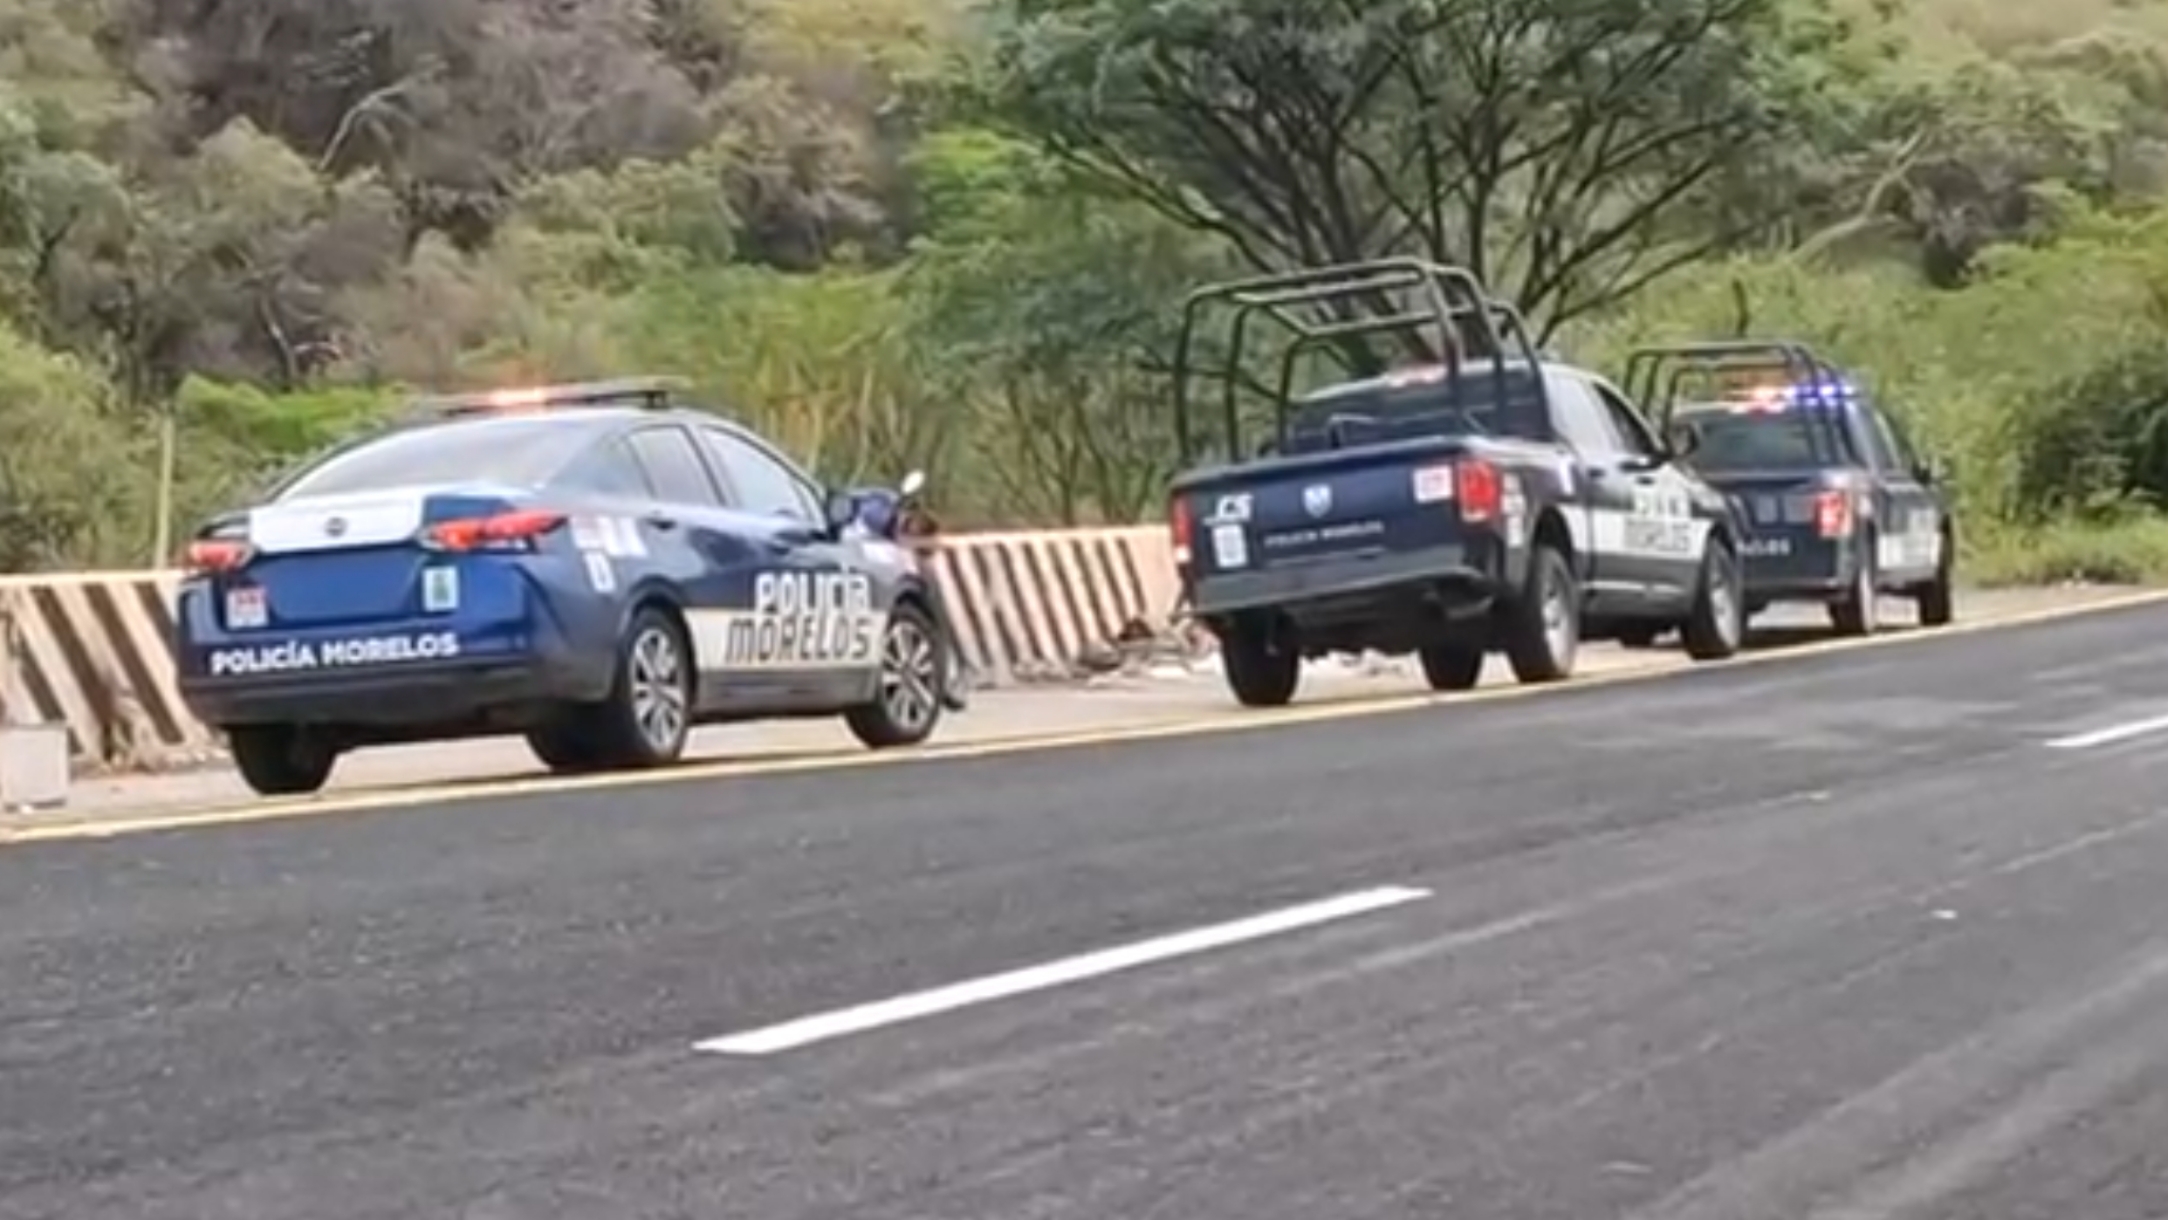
point(913, 483)
point(1685, 439)
point(841, 511)
point(1928, 471)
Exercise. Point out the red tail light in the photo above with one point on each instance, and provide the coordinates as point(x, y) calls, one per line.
point(1479, 489)
point(1833, 514)
point(505, 531)
point(1181, 526)
point(214, 555)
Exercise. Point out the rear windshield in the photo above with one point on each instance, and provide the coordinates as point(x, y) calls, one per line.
point(518, 452)
point(1429, 408)
point(1766, 440)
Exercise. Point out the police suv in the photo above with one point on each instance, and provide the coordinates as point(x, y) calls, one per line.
point(1481, 498)
point(1842, 509)
point(587, 565)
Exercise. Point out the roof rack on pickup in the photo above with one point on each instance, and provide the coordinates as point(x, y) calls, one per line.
point(649, 393)
point(1443, 311)
point(1647, 368)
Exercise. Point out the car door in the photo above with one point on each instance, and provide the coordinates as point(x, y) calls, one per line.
point(1908, 535)
point(703, 552)
point(1622, 575)
point(1664, 532)
point(821, 608)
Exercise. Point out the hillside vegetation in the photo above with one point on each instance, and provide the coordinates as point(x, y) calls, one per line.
point(935, 233)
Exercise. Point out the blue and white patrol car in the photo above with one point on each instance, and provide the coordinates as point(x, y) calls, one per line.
point(1843, 510)
point(589, 565)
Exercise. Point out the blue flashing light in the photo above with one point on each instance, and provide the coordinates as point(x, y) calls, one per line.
point(1778, 397)
point(1835, 393)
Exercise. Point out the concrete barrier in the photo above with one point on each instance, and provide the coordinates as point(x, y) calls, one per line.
point(1024, 602)
point(94, 653)
point(94, 649)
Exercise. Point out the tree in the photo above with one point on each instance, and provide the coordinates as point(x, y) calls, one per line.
point(56, 508)
point(1053, 310)
point(1558, 148)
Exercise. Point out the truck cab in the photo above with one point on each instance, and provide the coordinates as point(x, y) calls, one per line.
point(1475, 497)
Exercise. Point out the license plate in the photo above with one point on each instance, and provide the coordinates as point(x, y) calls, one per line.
point(1230, 547)
point(247, 608)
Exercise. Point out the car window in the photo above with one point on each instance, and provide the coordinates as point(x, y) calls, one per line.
point(1582, 420)
point(1738, 439)
point(609, 469)
point(518, 452)
point(1484, 400)
point(1888, 438)
point(673, 467)
point(759, 483)
point(1638, 438)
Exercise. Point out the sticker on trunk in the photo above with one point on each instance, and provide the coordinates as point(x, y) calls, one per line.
point(247, 608)
point(601, 575)
point(440, 590)
point(624, 536)
point(1434, 485)
point(587, 534)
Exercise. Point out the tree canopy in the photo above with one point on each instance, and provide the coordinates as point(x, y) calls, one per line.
point(955, 233)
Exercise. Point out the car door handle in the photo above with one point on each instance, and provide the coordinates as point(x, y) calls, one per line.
point(662, 521)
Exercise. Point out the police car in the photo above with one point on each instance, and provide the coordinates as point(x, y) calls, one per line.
point(589, 565)
point(1842, 509)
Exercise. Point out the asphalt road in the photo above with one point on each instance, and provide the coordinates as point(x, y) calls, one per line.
point(1838, 936)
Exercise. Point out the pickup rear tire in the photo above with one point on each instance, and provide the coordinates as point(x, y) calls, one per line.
point(282, 759)
point(1260, 670)
point(1859, 611)
point(1717, 624)
point(1935, 599)
point(1542, 626)
point(1453, 666)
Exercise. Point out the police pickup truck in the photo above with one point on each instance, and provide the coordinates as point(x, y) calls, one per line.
point(1841, 509)
point(1483, 498)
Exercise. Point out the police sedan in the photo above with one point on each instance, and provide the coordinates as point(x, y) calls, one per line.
point(589, 566)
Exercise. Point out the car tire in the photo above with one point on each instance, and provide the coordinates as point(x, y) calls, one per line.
point(282, 759)
point(1259, 671)
point(647, 716)
point(1716, 626)
point(906, 705)
point(1937, 598)
point(1542, 626)
point(1859, 611)
point(1453, 666)
point(566, 746)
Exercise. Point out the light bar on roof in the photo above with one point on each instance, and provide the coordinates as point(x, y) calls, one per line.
point(645, 391)
point(1415, 374)
point(1778, 396)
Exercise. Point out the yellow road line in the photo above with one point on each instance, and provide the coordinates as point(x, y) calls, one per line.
point(1231, 721)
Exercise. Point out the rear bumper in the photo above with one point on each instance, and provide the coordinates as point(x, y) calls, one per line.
point(1460, 574)
point(1810, 571)
point(409, 697)
point(496, 671)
